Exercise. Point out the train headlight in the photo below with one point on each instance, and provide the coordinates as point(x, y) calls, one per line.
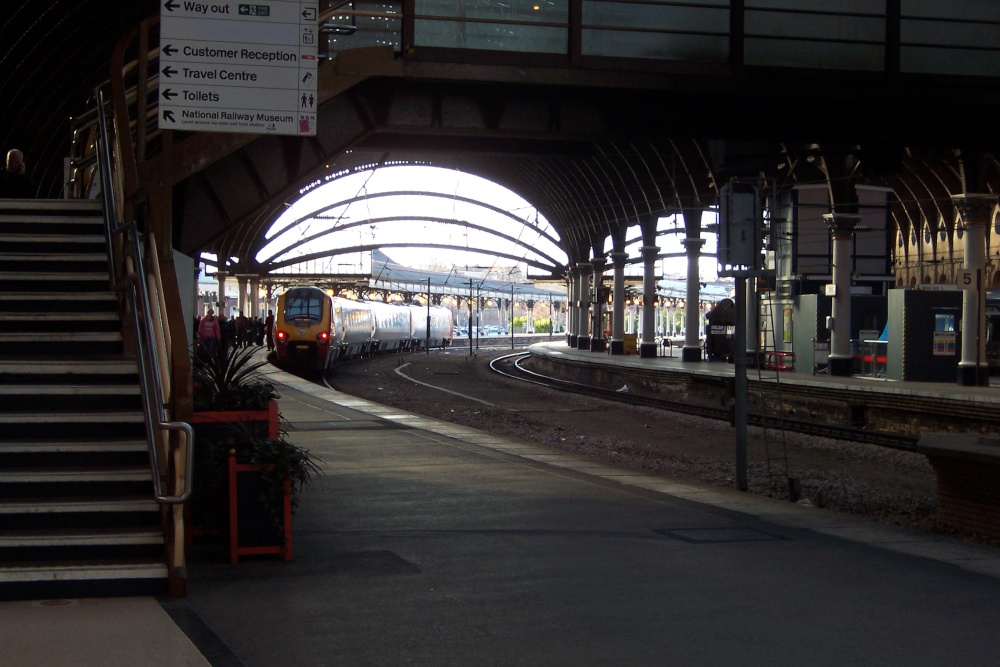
point(323, 336)
point(281, 336)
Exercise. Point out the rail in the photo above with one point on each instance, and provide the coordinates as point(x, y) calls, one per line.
point(884, 439)
point(128, 275)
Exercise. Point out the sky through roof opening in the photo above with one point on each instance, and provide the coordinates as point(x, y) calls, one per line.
point(420, 216)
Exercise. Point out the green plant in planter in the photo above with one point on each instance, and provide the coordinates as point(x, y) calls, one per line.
point(227, 380)
point(211, 479)
point(289, 461)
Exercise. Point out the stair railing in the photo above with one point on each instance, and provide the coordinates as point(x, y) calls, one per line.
point(128, 275)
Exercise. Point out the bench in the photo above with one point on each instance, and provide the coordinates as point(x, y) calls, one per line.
point(781, 361)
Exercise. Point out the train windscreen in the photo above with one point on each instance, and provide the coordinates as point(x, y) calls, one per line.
point(304, 306)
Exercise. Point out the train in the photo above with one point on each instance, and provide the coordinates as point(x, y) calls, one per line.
point(314, 331)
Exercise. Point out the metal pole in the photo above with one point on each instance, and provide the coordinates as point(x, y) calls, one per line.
point(512, 316)
point(428, 315)
point(470, 316)
point(740, 384)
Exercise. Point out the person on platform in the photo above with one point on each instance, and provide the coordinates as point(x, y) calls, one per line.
point(269, 330)
point(209, 333)
point(16, 182)
point(242, 331)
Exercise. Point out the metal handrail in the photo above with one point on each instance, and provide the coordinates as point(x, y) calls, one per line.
point(133, 283)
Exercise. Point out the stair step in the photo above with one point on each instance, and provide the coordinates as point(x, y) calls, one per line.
point(69, 390)
point(61, 337)
point(108, 366)
point(76, 207)
point(131, 417)
point(71, 475)
point(90, 276)
point(75, 571)
point(90, 223)
point(102, 445)
point(53, 257)
point(59, 296)
point(65, 316)
point(77, 505)
point(79, 537)
point(97, 239)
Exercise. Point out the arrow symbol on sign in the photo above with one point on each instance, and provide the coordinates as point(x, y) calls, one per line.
point(169, 49)
point(169, 94)
point(169, 4)
point(168, 71)
point(168, 115)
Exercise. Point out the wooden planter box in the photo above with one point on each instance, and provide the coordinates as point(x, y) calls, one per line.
point(205, 421)
point(256, 533)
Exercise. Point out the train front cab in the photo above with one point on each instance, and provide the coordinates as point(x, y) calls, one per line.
point(302, 331)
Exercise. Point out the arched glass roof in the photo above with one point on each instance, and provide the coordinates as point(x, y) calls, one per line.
point(421, 216)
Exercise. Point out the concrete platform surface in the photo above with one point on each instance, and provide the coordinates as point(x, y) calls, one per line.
point(427, 543)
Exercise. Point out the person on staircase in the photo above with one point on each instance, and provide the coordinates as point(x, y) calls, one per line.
point(16, 182)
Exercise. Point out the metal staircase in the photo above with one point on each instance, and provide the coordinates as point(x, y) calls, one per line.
point(78, 516)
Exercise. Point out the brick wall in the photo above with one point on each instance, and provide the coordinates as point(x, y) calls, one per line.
point(968, 473)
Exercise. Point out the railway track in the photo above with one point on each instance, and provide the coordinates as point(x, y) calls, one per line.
point(511, 366)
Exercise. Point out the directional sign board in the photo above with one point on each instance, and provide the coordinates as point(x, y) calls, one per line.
point(230, 66)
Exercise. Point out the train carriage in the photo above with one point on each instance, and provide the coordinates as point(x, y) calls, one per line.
point(392, 326)
point(442, 326)
point(353, 329)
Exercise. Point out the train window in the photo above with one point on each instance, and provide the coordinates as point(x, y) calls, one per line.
point(304, 308)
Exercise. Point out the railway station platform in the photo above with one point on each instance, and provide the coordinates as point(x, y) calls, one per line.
point(428, 543)
point(862, 383)
point(860, 407)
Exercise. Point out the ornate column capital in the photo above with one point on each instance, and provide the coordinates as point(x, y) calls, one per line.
point(693, 246)
point(650, 252)
point(974, 209)
point(618, 258)
point(841, 224)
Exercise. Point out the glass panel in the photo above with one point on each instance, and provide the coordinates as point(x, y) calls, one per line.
point(630, 44)
point(374, 29)
point(815, 33)
point(500, 25)
point(825, 6)
point(812, 27)
point(949, 61)
point(656, 16)
point(501, 11)
point(491, 36)
point(969, 10)
point(820, 55)
point(661, 31)
point(950, 34)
